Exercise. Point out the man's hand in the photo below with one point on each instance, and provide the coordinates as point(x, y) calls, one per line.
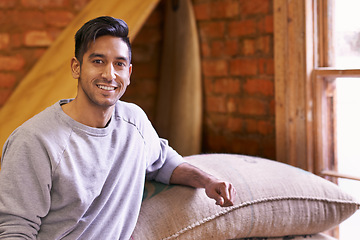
point(222, 192)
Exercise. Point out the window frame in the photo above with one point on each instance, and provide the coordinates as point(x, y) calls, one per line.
point(303, 88)
point(323, 78)
point(305, 137)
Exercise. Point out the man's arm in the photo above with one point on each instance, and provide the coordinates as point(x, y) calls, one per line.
point(25, 183)
point(222, 192)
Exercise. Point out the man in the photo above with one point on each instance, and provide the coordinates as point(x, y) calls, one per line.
point(77, 169)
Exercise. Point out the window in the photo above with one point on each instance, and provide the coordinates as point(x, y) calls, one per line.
point(338, 80)
point(310, 75)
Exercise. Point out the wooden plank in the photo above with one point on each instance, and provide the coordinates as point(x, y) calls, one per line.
point(50, 79)
point(179, 108)
point(280, 46)
point(296, 85)
point(293, 94)
point(309, 87)
point(290, 96)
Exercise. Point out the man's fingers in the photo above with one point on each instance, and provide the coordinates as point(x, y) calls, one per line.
point(220, 201)
point(227, 194)
point(222, 192)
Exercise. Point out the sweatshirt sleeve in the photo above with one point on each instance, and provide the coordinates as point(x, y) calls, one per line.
point(161, 158)
point(161, 168)
point(25, 183)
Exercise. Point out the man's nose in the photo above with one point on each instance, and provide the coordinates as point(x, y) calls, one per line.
point(109, 72)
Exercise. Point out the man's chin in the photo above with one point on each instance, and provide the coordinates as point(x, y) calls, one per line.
point(105, 103)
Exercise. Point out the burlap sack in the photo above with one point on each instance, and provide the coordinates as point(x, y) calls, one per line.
point(273, 199)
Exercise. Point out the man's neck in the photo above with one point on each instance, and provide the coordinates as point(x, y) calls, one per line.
point(87, 114)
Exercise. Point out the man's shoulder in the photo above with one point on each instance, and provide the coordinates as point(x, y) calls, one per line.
point(132, 114)
point(41, 118)
point(129, 110)
point(45, 121)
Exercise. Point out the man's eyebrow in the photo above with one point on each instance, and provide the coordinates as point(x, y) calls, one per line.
point(95, 55)
point(122, 58)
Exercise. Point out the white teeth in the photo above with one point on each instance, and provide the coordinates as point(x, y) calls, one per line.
point(106, 87)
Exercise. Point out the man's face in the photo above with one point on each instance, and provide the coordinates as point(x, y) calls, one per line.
point(105, 72)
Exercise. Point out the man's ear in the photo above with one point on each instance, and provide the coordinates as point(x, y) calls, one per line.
point(130, 71)
point(75, 68)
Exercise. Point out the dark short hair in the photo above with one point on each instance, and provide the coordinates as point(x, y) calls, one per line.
point(98, 27)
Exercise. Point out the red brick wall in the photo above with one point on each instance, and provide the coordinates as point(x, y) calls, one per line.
point(237, 62)
point(236, 38)
point(27, 29)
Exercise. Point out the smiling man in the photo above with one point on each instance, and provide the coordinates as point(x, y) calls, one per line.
point(77, 169)
point(103, 74)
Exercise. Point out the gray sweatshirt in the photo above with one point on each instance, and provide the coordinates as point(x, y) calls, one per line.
point(60, 179)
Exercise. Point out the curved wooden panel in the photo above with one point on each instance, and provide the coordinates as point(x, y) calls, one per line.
point(179, 110)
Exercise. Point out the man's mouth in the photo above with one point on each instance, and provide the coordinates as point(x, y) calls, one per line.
point(107, 88)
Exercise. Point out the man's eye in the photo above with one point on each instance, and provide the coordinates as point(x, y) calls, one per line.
point(97, 61)
point(120, 64)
